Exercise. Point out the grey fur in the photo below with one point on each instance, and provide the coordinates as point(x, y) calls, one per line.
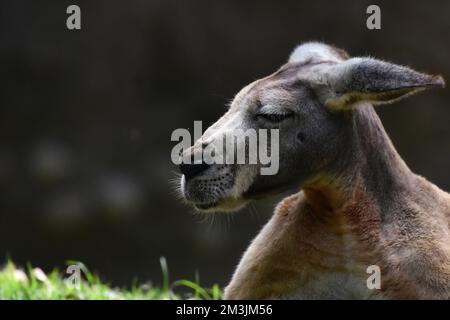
point(359, 203)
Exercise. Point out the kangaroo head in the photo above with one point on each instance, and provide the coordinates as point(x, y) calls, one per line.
point(310, 101)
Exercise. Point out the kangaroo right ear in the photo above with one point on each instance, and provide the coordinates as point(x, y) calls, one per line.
point(344, 85)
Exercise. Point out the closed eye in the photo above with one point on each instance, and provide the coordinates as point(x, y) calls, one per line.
point(275, 117)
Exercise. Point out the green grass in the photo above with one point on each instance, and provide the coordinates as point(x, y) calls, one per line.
point(34, 284)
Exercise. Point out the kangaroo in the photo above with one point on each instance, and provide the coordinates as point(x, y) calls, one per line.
point(358, 203)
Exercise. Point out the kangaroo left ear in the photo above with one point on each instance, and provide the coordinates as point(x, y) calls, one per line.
point(344, 85)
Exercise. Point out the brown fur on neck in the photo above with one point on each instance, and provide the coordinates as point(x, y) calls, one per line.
point(368, 198)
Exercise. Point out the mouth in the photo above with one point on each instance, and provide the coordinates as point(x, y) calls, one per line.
point(224, 205)
point(206, 206)
point(211, 193)
point(196, 201)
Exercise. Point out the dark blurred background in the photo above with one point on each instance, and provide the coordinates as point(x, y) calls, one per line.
point(86, 118)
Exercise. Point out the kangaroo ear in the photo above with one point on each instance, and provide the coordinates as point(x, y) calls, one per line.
point(344, 85)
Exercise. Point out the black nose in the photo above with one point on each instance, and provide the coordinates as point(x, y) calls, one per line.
point(190, 170)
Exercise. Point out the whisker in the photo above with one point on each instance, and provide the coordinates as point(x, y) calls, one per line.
point(175, 184)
